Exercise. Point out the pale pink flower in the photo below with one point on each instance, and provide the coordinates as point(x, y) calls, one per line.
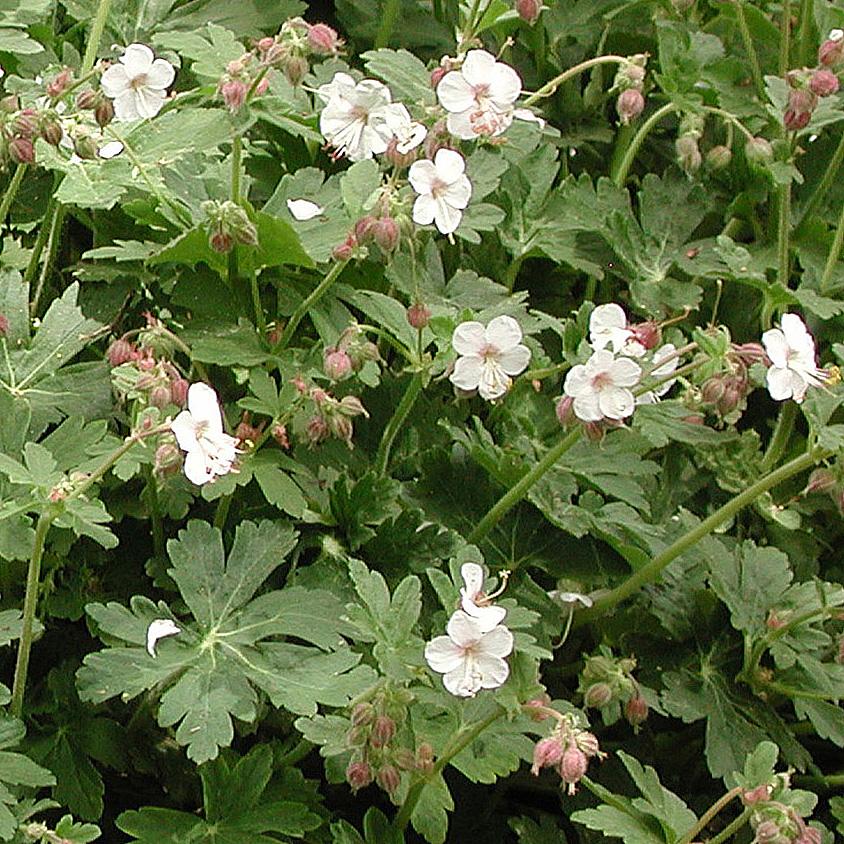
point(793, 369)
point(601, 387)
point(473, 601)
point(138, 84)
point(443, 188)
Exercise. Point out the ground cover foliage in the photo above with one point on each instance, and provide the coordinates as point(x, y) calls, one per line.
point(421, 420)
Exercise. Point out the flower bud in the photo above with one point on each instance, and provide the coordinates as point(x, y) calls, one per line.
point(179, 391)
point(87, 99)
point(160, 396)
point(25, 123)
point(688, 154)
point(363, 229)
point(279, 434)
point(801, 104)
point(536, 707)
point(547, 752)
point(809, 835)
point(775, 620)
point(821, 480)
point(405, 759)
point(388, 778)
point(436, 76)
point(719, 157)
point(233, 92)
point(104, 112)
point(756, 795)
point(768, 832)
point(824, 83)
point(572, 767)
point(352, 406)
point(336, 364)
point(221, 242)
point(385, 231)
point(21, 151)
point(168, 459)
point(588, 743)
point(51, 131)
point(597, 696)
point(832, 50)
point(119, 352)
point(758, 151)
point(295, 68)
point(262, 87)
point(344, 251)
point(59, 83)
point(418, 316)
point(358, 775)
point(425, 758)
point(565, 411)
point(648, 334)
point(246, 431)
point(636, 711)
point(323, 40)
point(629, 105)
point(529, 10)
point(85, 147)
point(342, 428)
point(399, 159)
point(316, 430)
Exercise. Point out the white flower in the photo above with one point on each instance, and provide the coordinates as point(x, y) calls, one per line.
point(355, 118)
point(407, 132)
point(199, 431)
point(138, 85)
point(792, 352)
point(488, 356)
point(608, 327)
point(303, 209)
point(600, 388)
point(475, 604)
point(659, 371)
point(470, 658)
point(479, 97)
point(158, 629)
point(443, 188)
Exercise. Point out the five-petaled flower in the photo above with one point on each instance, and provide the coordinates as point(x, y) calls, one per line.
point(199, 431)
point(470, 658)
point(601, 387)
point(444, 190)
point(138, 84)
point(479, 97)
point(489, 356)
point(608, 327)
point(793, 369)
point(473, 600)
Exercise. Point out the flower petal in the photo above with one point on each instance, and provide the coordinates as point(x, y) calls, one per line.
point(473, 579)
point(148, 102)
point(587, 408)
point(443, 655)
point(463, 630)
point(115, 81)
point(197, 470)
point(494, 382)
point(449, 164)
point(460, 125)
point(303, 209)
point(487, 618)
point(158, 629)
point(424, 210)
point(493, 671)
point(126, 106)
point(479, 67)
point(465, 680)
point(776, 347)
point(469, 338)
point(467, 373)
point(625, 372)
point(161, 74)
point(505, 85)
point(781, 382)
point(504, 333)
point(137, 59)
point(514, 360)
point(455, 93)
point(446, 218)
point(110, 150)
point(577, 382)
point(458, 194)
point(204, 407)
point(421, 176)
point(184, 429)
point(497, 642)
point(616, 402)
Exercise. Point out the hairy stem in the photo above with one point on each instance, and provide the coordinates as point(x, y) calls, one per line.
point(389, 16)
point(53, 228)
point(783, 234)
point(750, 49)
point(414, 388)
point(710, 813)
point(652, 570)
point(620, 176)
point(728, 831)
point(781, 436)
point(550, 87)
point(834, 254)
point(519, 490)
point(807, 17)
point(93, 45)
point(785, 38)
point(313, 297)
point(158, 547)
point(12, 191)
point(462, 739)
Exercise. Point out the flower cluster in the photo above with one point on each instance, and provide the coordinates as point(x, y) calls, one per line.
point(489, 356)
point(607, 683)
point(349, 355)
point(472, 654)
point(630, 83)
point(568, 750)
point(773, 821)
point(139, 374)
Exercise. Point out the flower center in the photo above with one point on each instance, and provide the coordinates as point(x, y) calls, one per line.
point(601, 380)
point(489, 352)
point(200, 429)
point(360, 113)
point(139, 82)
point(438, 187)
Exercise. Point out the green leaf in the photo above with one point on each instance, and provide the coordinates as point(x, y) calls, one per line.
point(404, 73)
point(210, 49)
point(430, 814)
point(245, 18)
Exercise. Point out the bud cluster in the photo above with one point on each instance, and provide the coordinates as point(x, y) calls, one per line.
point(352, 351)
point(568, 750)
point(330, 416)
point(137, 375)
point(375, 738)
point(93, 99)
point(607, 682)
point(725, 393)
point(228, 224)
point(687, 145)
point(630, 82)
point(807, 85)
point(776, 823)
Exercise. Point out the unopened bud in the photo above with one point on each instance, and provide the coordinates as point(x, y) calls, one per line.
point(262, 87)
point(565, 411)
point(59, 83)
point(344, 251)
point(801, 104)
point(636, 711)
point(358, 775)
point(759, 151)
point(342, 428)
point(425, 758)
point(399, 159)
point(87, 99)
point(719, 157)
point(547, 752)
point(756, 795)
point(824, 83)
point(316, 430)
point(363, 228)
point(809, 835)
point(528, 10)
point(352, 406)
point(572, 767)
point(233, 92)
point(647, 334)
point(629, 105)
point(51, 132)
point(119, 352)
point(26, 123)
point(688, 154)
point(388, 778)
point(322, 39)
point(385, 231)
point(597, 696)
point(168, 459)
point(336, 364)
point(179, 391)
point(436, 76)
point(221, 242)
point(295, 68)
point(404, 759)
point(832, 50)
point(363, 715)
point(279, 434)
point(160, 396)
point(246, 431)
point(588, 743)
point(104, 112)
point(418, 316)
point(85, 147)
point(21, 151)
point(821, 480)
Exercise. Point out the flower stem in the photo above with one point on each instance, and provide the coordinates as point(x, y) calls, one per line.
point(710, 813)
point(550, 87)
point(517, 492)
point(823, 185)
point(652, 570)
point(781, 435)
point(93, 45)
point(11, 191)
point(727, 832)
point(750, 49)
point(389, 16)
point(807, 16)
point(414, 388)
point(315, 295)
point(620, 175)
point(462, 739)
point(785, 38)
point(834, 255)
point(52, 226)
point(158, 546)
point(783, 234)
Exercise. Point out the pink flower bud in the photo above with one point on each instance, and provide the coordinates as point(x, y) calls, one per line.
point(221, 242)
point(120, 351)
point(809, 835)
point(597, 696)
point(547, 752)
point(316, 430)
point(535, 707)
point(104, 112)
point(279, 434)
point(418, 316)
point(588, 743)
point(759, 151)
point(629, 105)
point(233, 92)
point(647, 334)
point(26, 123)
point(21, 151)
point(388, 778)
point(801, 104)
point(824, 83)
point(572, 767)
point(342, 428)
point(363, 228)
point(821, 480)
point(385, 231)
point(436, 76)
point(528, 10)
point(719, 157)
point(399, 159)
point(830, 52)
point(775, 621)
point(87, 99)
point(168, 459)
point(565, 411)
point(756, 795)
point(636, 710)
point(425, 758)
point(262, 87)
point(358, 775)
point(246, 431)
point(344, 251)
point(51, 132)
point(265, 43)
point(336, 364)
point(405, 759)
point(59, 83)
point(179, 391)
point(322, 39)
point(295, 68)
point(160, 396)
